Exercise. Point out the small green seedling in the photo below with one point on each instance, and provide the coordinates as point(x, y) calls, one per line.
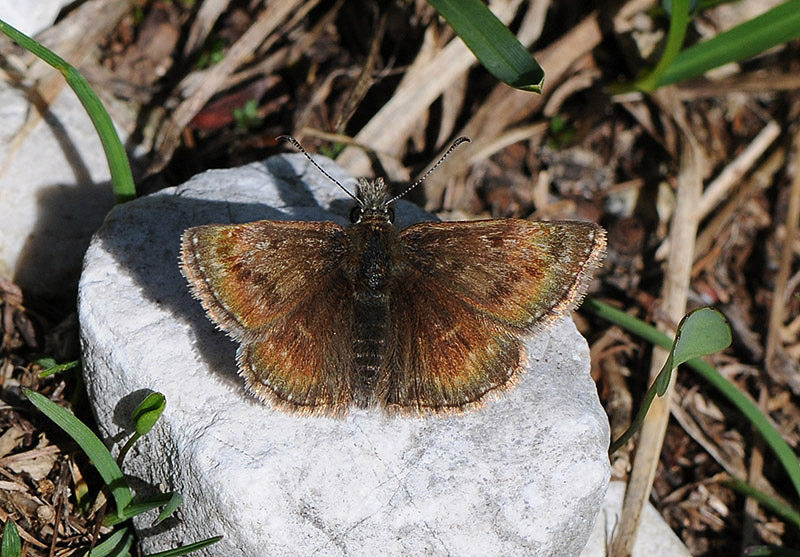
point(144, 417)
point(701, 332)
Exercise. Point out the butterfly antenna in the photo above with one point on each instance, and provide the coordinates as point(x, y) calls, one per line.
point(452, 148)
point(296, 144)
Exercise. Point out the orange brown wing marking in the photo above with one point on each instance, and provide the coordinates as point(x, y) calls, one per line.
point(443, 354)
point(522, 273)
point(273, 287)
point(248, 276)
point(468, 293)
point(304, 359)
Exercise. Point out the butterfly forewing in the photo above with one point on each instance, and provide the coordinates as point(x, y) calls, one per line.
point(248, 275)
point(516, 271)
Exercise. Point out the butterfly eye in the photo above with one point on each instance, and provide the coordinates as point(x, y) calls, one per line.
point(355, 214)
point(390, 215)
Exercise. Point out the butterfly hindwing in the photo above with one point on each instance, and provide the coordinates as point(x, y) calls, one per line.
point(271, 286)
point(441, 354)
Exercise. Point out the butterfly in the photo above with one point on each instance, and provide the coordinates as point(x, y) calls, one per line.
point(428, 319)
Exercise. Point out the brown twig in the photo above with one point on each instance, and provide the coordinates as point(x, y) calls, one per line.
point(683, 232)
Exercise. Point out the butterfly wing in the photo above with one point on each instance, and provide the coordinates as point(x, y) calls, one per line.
point(476, 288)
point(273, 286)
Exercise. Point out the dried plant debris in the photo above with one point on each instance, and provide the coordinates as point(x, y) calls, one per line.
point(211, 84)
point(40, 467)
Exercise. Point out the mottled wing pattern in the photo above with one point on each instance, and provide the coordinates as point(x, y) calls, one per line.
point(475, 288)
point(442, 355)
point(270, 284)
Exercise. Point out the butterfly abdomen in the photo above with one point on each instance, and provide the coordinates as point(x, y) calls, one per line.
point(369, 345)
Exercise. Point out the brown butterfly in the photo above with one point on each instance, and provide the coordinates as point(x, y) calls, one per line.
point(428, 319)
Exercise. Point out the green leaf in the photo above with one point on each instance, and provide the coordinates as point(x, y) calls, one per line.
point(175, 501)
point(186, 549)
point(145, 416)
point(770, 551)
point(678, 22)
point(118, 544)
point(91, 445)
point(52, 368)
point(749, 409)
point(776, 26)
point(170, 501)
point(768, 502)
point(12, 545)
point(121, 177)
point(493, 44)
point(700, 332)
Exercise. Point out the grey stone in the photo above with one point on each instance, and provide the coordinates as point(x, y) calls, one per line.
point(54, 193)
point(525, 475)
point(654, 536)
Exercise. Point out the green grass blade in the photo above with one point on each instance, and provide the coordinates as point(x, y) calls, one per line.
point(54, 368)
point(12, 544)
point(121, 177)
point(774, 27)
point(778, 507)
point(770, 551)
point(118, 544)
point(175, 501)
point(493, 44)
point(91, 445)
point(678, 22)
point(170, 501)
point(742, 402)
point(186, 549)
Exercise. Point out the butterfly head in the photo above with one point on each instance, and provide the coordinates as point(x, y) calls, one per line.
point(373, 196)
point(373, 201)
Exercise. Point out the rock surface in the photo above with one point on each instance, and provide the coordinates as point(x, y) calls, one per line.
point(54, 192)
point(654, 537)
point(525, 475)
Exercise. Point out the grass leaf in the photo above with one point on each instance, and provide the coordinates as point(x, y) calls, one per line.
point(493, 44)
point(170, 501)
point(12, 545)
point(94, 448)
point(118, 544)
point(121, 177)
point(776, 26)
point(53, 368)
point(186, 549)
point(175, 501)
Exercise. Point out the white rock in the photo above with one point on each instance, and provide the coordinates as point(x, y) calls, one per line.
point(31, 17)
point(526, 475)
point(54, 193)
point(653, 538)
